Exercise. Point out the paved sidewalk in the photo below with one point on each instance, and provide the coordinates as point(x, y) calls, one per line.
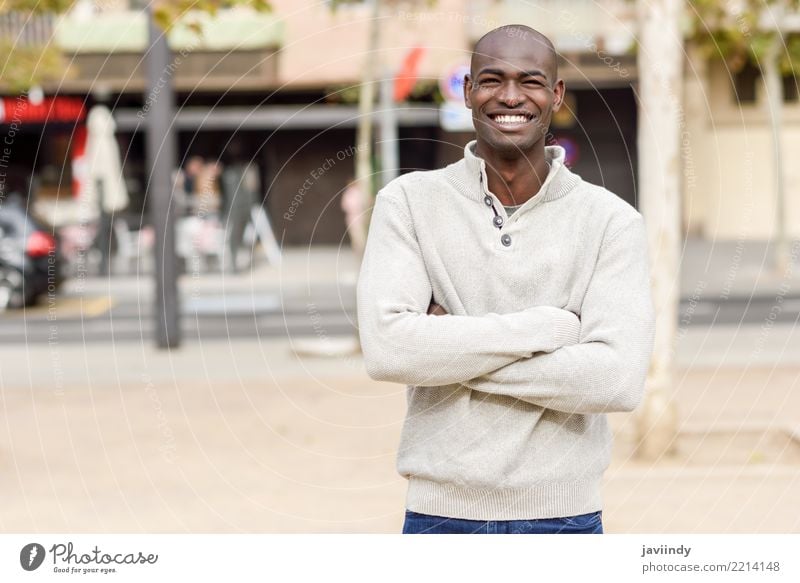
point(214, 437)
point(244, 436)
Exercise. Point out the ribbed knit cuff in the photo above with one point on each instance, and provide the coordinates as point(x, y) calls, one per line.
point(549, 500)
point(566, 329)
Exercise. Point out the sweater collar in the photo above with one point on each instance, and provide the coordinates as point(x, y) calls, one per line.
point(559, 181)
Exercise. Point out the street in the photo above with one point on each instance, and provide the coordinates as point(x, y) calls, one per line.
point(100, 318)
point(306, 295)
point(315, 296)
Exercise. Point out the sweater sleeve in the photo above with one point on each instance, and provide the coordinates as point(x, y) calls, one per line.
point(402, 343)
point(606, 370)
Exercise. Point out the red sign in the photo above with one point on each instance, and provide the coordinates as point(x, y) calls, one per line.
point(407, 76)
point(19, 110)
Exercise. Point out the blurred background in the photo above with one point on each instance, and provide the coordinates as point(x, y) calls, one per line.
point(185, 189)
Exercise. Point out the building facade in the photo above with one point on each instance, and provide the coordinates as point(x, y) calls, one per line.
point(284, 84)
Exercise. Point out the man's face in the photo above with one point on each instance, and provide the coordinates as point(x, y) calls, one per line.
point(512, 92)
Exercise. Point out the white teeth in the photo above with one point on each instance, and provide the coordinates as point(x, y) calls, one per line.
point(510, 119)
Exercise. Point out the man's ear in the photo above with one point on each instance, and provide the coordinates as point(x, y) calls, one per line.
point(558, 94)
point(467, 90)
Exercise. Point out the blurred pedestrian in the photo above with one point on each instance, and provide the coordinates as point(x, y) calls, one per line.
point(187, 186)
point(240, 193)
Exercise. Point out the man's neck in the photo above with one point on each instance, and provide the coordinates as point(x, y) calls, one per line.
point(515, 180)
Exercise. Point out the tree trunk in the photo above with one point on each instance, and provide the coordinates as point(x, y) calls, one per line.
point(366, 107)
point(660, 64)
point(774, 104)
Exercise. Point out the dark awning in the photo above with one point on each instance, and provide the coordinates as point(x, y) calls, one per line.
point(272, 117)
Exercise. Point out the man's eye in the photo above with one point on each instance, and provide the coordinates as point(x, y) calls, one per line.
point(487, 82)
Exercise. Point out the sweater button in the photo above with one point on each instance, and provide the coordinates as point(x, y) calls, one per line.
point(487, 200)
point(506, 240)
point(498, 221)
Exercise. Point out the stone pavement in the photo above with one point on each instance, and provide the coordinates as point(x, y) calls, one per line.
point(245, 436)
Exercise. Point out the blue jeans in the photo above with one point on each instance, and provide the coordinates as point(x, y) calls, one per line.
point(417, 523)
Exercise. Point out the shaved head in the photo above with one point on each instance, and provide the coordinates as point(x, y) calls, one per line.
point(514, 34)
point(513, 90)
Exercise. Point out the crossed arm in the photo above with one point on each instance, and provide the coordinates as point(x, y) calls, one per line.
point(543, 355)
point(605, 370)
point(402, 343)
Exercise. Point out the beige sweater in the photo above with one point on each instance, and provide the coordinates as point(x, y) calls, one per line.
point(550, 325)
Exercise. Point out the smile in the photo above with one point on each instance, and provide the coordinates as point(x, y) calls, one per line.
point(508, 120)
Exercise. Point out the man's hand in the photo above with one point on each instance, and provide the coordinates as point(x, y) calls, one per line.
point(436, 310)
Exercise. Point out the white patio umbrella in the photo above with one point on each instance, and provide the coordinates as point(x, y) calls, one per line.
point(103, 168)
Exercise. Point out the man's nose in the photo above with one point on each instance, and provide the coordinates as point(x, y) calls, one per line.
point(510, 94)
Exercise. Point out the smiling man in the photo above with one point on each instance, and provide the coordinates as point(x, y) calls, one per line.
point(513, 299)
